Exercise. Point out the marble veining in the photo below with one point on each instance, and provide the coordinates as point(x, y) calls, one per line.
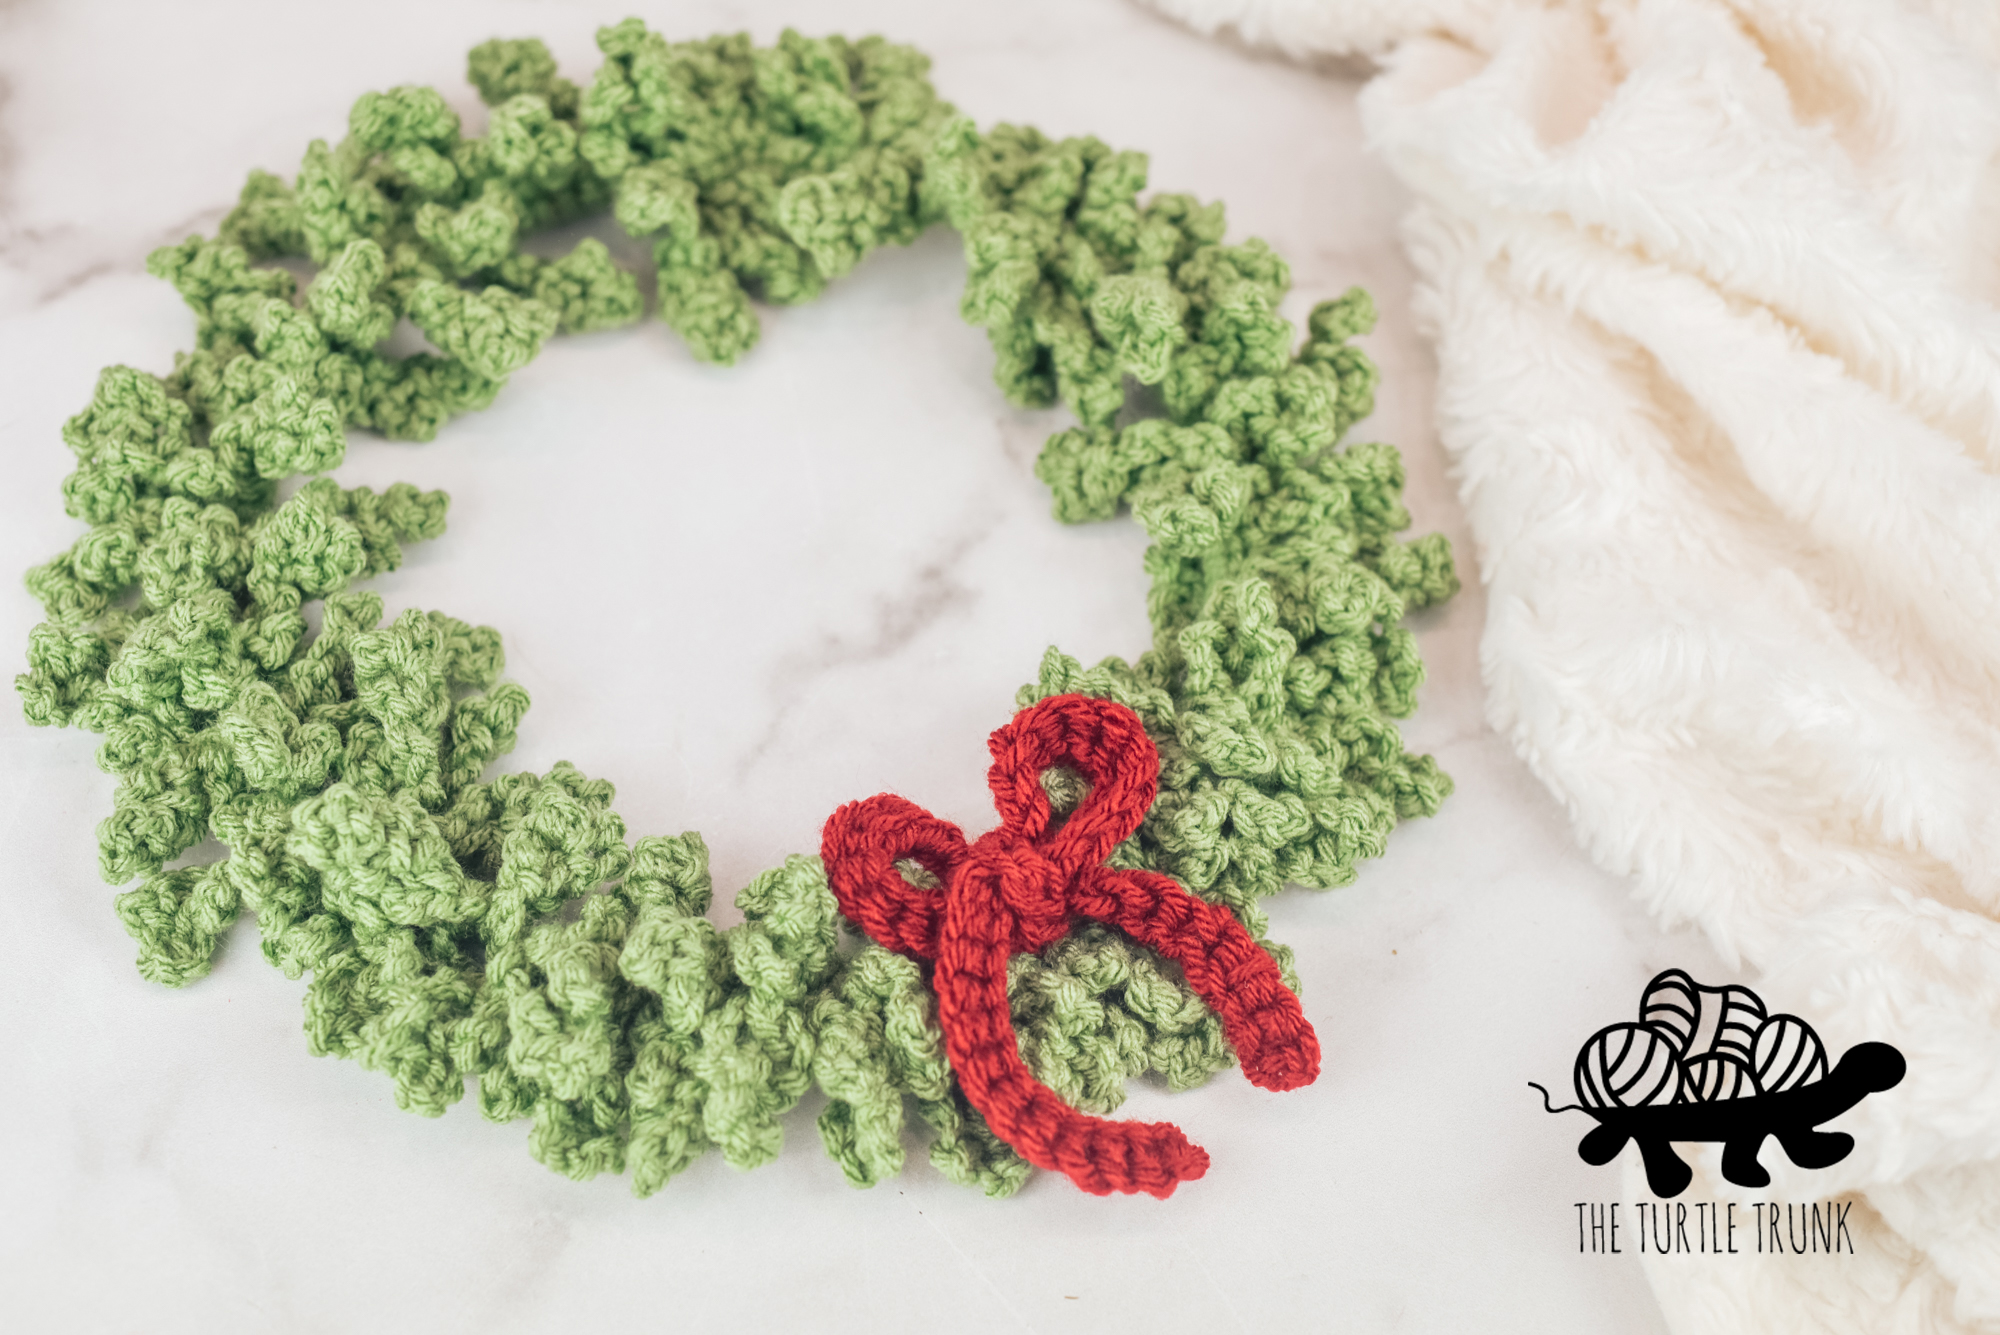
point(933, 591)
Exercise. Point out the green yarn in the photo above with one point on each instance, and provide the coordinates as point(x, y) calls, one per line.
point(504, 929)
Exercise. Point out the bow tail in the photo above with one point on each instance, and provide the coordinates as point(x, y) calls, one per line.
point(1223, 963)
point(1100, 1156)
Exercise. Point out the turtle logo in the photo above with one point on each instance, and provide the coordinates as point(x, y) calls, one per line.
point(1708, 1063)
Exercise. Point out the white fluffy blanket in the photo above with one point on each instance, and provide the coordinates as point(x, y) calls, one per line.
point(1713, 287)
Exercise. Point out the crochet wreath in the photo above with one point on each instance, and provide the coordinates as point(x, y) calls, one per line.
point(503, 928)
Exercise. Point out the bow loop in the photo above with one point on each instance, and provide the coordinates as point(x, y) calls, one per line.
point(861, 845)
point(1103, 742)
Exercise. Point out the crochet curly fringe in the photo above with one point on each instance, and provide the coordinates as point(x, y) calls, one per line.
point(504, 929)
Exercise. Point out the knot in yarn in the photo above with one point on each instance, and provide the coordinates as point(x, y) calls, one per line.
point(1036, 862)
point(1033, 890)
point(1018, 889)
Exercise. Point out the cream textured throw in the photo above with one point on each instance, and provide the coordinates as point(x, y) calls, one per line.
point(1713, 285)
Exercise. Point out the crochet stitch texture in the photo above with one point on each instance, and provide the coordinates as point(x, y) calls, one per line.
point(503, 928)
point(1017, 890)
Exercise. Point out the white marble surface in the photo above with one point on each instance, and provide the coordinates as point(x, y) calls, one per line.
point(747, 595)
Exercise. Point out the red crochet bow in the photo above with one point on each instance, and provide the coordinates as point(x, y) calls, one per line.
point(1019, 888)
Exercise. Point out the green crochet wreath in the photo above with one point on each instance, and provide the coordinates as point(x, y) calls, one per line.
point(504, 929)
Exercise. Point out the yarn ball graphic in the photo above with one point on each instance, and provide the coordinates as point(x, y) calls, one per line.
point(1715, 1076)
point(1739, 1014)
point(1628, 1066)
point(1708, 1064)
point(1672, 1004)
point(1708, 1023)
point(1787, 1054)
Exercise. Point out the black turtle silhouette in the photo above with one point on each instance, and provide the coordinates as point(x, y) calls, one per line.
point(1792, 1115)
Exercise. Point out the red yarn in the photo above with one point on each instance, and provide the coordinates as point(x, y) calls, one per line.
point(1019, 888)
